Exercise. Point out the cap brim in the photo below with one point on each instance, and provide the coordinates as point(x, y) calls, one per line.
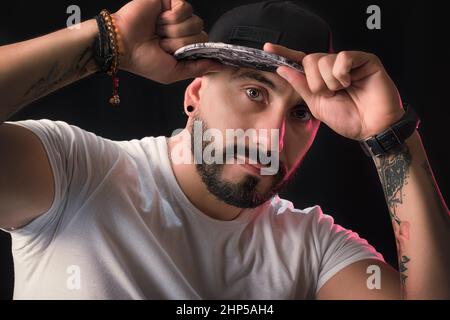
point(236, 56)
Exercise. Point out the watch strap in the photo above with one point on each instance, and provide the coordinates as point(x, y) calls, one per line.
point(394, 136)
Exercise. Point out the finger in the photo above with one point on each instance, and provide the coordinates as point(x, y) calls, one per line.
point(290, 54)
point(171, 45)
point(191, 69)
point(192, 26)
point(166, 5)
point(179, 12)
point(342, 67)
point(326, 64)
point(357, 64)
point(298, 81)
point(316, 83)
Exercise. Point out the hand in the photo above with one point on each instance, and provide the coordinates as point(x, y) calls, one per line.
point(350, 91)
point(151, 30)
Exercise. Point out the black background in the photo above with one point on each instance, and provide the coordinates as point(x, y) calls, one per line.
point(412, 44)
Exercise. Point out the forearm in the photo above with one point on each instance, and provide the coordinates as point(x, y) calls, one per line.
point(420, 219)
point(34, 68)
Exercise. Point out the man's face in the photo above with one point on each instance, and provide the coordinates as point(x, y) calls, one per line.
point(251, 100)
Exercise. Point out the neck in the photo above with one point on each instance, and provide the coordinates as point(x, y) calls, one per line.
point(191, 183)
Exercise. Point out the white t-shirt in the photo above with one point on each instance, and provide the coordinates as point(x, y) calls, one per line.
point(120, 227)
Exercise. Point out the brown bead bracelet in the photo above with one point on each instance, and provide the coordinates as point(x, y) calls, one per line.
point(109, 48)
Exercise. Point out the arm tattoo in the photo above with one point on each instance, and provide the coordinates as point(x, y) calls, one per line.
point(58, 74)
point(402, 268)
point(394, 173)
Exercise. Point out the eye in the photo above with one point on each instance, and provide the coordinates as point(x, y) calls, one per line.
point(255, 94)
point(302, 113)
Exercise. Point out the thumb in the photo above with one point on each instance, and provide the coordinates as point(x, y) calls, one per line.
point(298, 81)
point(197, 68)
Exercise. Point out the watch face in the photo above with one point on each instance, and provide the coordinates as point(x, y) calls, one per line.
point(236, 56)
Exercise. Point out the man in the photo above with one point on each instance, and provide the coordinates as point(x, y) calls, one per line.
point(99, 219)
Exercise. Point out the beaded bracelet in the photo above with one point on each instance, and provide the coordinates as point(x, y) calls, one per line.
point(108, 49)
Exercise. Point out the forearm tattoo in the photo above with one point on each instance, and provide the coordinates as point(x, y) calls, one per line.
point(394, 173)
point(59, 73)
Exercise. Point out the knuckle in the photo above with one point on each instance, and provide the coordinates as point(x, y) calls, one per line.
point(344, 55)
point(181, 6)
point(317, 56)
point(200, 23)
point(374, 58)
point(185, 9)
point(186, 6)
point(338, 71)
point(308, 59)
point(174, 15)
point(329, 59)
point(312, 59)
point(325, 66)
point(323, 62)
point(316, 87)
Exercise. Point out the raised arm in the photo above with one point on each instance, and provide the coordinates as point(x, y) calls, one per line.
point(421, 224)
point(151, 30)
point(420, 219)
point(31, 69)
point(352, 93)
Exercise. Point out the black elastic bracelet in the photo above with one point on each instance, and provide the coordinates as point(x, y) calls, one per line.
point(103, 53)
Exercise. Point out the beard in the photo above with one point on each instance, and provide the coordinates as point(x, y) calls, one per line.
point(242, 194)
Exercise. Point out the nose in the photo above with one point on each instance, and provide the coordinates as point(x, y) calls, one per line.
point(274, 121)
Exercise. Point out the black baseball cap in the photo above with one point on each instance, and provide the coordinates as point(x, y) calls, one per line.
point(238, 36)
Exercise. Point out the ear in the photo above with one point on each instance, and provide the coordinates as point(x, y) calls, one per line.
point(192, 93)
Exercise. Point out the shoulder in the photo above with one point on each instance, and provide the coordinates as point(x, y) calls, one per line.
point(310, 224)
point(284, 215)
point(280, 220)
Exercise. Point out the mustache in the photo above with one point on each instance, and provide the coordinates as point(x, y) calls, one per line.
point(254, 156)
point(257, 153)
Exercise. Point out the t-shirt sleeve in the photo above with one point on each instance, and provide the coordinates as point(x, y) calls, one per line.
point(79, 161)
point(337, 248)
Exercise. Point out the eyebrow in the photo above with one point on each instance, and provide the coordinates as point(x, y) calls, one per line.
point(254, 75)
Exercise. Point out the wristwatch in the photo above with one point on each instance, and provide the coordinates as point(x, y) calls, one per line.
point(394, 136)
